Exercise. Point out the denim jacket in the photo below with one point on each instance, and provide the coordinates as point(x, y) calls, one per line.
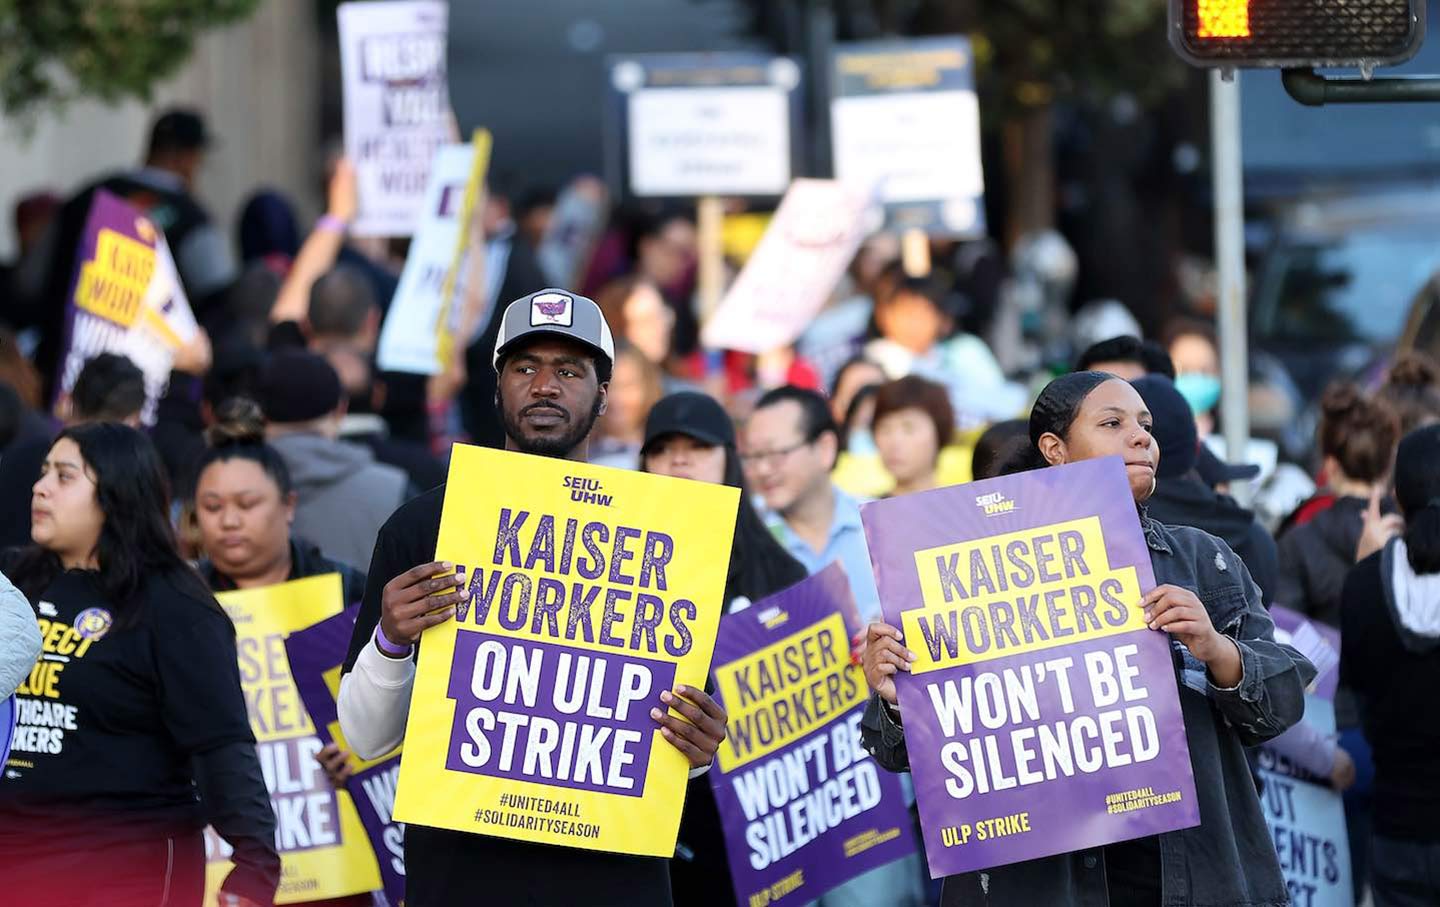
point(1229, 859)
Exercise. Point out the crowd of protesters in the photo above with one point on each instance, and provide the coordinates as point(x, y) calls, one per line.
point(282, 450)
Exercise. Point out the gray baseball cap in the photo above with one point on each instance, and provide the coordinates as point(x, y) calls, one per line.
point(558, 312)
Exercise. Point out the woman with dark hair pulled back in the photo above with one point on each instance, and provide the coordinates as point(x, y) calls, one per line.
point(244, 505)
point(1238, 688)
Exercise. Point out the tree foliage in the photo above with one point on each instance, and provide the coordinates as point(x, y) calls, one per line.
point(53, 51)
point(1032, 52)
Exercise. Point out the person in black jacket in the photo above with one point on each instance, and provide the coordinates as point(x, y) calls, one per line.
point(1390, 658)
point(689, 436)
point(244, 503)
point(1183, 498)
point(553, 359)
point(133, 733)
point(1357, 439)
point(1238, 687)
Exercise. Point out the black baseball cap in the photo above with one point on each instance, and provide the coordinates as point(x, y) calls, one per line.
point(1216, 471)
point(180, 129)
point(1172, 425)
point(692, 414)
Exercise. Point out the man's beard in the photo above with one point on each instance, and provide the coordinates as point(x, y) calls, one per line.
point(549, 445)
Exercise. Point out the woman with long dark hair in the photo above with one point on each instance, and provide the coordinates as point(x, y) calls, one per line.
point(1390, 660)
point(133, 731)
point(1238, 688)
point(689, 436)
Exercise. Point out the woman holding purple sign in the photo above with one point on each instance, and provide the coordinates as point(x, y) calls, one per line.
point(1238, 688)
point(689, 436)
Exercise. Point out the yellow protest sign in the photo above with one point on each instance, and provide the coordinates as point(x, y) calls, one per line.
point(592, 590)
point(1070, 593)
point(324, 852)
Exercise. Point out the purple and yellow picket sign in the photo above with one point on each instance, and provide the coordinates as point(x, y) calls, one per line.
point(592, 590)
point(317, 656)
point(803, 805)
point(125, 298)
point(1041, 715)
point(324, 851)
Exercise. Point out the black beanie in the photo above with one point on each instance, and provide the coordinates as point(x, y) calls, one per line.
point(298, 386)
point(1173, 425)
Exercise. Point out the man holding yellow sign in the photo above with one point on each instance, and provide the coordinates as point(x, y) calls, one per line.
point(586, 602)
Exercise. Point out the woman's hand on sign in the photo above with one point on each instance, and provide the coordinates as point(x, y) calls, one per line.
point(336, 763)
point(884, 655)
point(1178, 612)
point(410, 603)
point(699, 734)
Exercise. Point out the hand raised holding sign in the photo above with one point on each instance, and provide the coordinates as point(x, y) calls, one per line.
point(883, 656)
point(410, 602)
point(1178, 612)
point(701, 732)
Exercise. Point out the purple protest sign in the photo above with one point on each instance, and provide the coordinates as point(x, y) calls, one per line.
point(804, 807)
point(1317, 642)
point(613, 690)
point(316, 655)
point(125, 298)
point(1041, 716)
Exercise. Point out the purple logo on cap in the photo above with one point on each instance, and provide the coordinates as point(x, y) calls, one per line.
point(552, 308)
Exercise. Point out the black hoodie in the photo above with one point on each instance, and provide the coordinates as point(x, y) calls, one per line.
point(1314, 558)
point(1390, 658)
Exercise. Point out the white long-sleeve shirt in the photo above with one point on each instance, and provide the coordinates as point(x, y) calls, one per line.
point(375, 702)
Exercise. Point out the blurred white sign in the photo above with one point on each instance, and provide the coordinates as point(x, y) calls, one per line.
point(796, 267)
point(397, 106)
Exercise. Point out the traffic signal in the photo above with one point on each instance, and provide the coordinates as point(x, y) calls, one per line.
point(1296, 33)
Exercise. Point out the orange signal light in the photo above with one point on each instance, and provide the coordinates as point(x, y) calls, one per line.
point(1223, 18)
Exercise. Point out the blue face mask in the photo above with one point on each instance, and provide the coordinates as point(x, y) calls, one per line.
point(1200, 390)
point(862, 444)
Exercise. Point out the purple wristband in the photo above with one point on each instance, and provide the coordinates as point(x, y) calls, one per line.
point(331, 224)
point(388, 647)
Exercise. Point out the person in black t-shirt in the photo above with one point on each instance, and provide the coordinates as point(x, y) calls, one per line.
point(132, 730)
point(244, 504)
point(553, 356)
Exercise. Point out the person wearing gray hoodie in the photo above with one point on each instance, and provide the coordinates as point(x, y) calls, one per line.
point(1390, 658)
point(343, 495)
point(19, 638)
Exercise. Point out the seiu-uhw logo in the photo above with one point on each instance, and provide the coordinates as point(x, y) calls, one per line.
point(994, 503)
point(587, 491)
